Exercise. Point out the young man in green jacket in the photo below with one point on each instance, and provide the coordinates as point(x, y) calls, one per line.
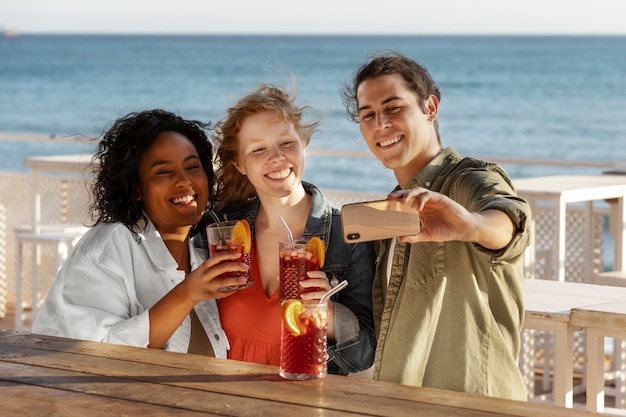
point(448, 301)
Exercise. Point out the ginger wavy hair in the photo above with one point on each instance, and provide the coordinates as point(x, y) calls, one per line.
point(233, 188)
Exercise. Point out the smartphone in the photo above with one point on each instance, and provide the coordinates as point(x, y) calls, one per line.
point(380, 219)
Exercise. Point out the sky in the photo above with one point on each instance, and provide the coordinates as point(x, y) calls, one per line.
point(315, 17)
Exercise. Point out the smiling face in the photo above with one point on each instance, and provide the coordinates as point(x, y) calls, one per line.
point(172, 184)
point(271, 154)
point(395, 128)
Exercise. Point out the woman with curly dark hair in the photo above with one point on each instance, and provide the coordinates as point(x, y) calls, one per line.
point(134, 278)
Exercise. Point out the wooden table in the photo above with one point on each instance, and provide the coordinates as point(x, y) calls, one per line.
point(547, 307)
point(52, 376)
point(560, 190)
point(600, 321)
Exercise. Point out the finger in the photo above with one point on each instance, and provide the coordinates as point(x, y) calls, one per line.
point(409, 239)
point(221, 257)
point(317, 295)
point(315, 283)
point(224, 284)
point(397, 194)
point(226, 267)
point(407, 197)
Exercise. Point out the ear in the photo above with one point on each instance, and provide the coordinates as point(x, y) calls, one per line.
point(239, 167)
point(432, 107)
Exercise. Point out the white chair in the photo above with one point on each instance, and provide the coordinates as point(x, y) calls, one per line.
point(26, 309)
point(43, 245)
point(617, 371)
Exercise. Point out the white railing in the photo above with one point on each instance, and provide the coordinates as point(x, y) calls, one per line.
point(71, 194)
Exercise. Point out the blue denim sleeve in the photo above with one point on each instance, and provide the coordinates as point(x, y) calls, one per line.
point(354, 321)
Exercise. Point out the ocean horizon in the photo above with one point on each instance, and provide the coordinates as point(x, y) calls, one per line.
point(518, 96)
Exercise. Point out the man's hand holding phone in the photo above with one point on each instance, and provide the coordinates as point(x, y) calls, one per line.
point(380, 219)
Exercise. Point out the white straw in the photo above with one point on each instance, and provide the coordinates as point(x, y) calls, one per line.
point(293, 244)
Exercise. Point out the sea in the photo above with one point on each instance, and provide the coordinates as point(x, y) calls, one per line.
point(546, 97)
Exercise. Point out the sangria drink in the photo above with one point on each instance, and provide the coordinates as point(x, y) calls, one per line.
point(303, 340)
point(295, 262)
point(232, 236)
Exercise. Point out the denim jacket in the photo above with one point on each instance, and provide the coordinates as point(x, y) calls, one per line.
point(353, 321)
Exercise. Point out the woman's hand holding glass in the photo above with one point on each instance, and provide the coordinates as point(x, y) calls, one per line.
point(317, 280)
point(203, 283)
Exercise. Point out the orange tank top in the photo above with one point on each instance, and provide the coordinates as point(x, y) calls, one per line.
point(251, 321)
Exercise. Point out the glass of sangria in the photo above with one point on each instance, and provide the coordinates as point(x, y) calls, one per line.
point(303, 339)
point(233, 236)
point(295, 261)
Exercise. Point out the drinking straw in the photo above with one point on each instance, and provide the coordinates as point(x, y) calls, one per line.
point(332, 291)
point(291, 241)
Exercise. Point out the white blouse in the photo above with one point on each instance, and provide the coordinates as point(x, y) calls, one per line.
point(110, 280)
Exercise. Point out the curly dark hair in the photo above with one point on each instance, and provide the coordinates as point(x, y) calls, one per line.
point(116, 162)
point(233, 188)
point(416, 78)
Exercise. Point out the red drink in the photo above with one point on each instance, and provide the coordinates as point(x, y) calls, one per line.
point(220, 239)
point(304, 356)
point(294, 264)
point(244, 257)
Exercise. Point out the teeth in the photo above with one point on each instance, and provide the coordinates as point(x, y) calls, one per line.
point(389, 142)
point(279, 175)
point(183, 200)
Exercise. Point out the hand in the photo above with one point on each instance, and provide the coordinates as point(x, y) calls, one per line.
point(443, 219)
point(204, 282)
point(316, 280)
point(199, 285)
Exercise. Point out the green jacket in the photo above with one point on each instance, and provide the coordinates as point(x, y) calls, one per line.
point(452, 313)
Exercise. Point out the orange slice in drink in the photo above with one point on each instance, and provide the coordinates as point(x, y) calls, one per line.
point(292, 317)
point(242, 237)
point(316, 247)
